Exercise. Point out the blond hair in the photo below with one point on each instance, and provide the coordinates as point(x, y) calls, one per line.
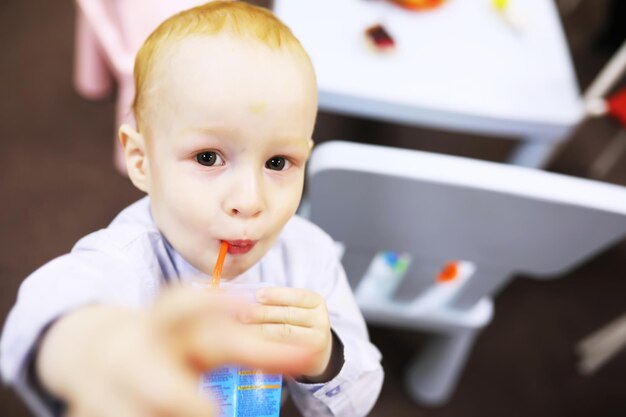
point(239, 18)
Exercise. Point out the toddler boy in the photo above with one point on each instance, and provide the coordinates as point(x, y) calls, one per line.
point(225, 104)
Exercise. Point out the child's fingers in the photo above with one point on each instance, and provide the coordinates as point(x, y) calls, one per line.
point(166, 388)
point(285, 296)
point(106, 403)
point(201, 325)
point(259, 313)
point(179, 307)
point(248, 346)
point(252, 350)
point(184, 401)
point(120, 408)
point(286, 333)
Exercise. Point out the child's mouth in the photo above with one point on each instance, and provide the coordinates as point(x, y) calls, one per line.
point(240, 247)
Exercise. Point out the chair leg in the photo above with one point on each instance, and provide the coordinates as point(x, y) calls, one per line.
point(433, 375)
point(92, 77)
point(533, 153)
point(609, 156)
point(601, 346)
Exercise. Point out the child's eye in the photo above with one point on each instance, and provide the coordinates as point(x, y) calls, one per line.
point(209, 158)
point(277, 163)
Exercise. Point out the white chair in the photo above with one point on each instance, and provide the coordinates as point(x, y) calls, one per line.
point(503, 219)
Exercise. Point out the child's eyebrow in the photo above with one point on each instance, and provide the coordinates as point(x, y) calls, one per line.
point(205, 131)
point(202, 136)
point(285, 144)
point(293, 143)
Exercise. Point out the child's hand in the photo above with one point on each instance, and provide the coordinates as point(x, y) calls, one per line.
point(294, 316)
point(109, 361)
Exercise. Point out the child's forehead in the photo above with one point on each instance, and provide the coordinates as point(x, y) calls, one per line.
point(228, 76)
point(212, 48)
point(203, 61)
point(225, 61)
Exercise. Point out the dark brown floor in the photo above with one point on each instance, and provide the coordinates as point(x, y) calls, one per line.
point(57, 184)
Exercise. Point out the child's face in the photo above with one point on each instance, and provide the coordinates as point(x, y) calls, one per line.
point(228, 134)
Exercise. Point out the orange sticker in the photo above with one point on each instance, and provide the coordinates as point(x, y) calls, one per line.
point(419, 4)
point(449, 272)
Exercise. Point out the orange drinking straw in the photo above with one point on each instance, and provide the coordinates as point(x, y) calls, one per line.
point(217, 272)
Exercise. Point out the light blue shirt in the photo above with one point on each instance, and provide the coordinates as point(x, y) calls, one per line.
point(128, 263)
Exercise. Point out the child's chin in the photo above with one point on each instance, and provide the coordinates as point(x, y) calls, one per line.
point(235, 270)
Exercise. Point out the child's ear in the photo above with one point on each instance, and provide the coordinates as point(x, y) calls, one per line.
point(134, 146)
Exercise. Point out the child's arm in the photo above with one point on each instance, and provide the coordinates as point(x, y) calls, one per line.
point(352, 380)
point(111, 361)
point(355, 389)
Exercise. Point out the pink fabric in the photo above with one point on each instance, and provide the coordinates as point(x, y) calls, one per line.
point(108, 35)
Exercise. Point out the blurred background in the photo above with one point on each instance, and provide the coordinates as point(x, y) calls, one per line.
point(58, 183)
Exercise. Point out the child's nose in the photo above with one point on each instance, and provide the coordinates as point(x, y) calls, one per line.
point(246, 197)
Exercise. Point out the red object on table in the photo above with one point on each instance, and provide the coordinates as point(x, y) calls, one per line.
point(419, 4)
point(617, 106)
point(379, 38)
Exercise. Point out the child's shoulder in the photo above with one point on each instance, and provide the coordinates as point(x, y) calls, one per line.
point(118, 263)
point(305, 244)
point(132, 231)
point(302, 253)
point(302, 232)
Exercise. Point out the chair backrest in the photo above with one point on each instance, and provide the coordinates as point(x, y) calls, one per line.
point(505, 219)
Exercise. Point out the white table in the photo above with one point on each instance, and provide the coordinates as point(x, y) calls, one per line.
point(459, 67)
